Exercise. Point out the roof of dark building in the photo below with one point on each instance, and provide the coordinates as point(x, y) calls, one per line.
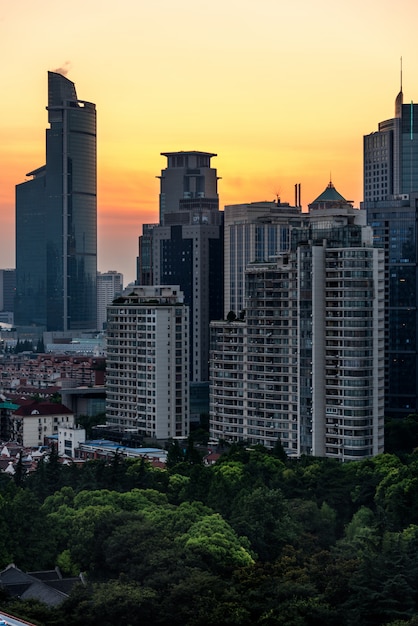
point(48, 587)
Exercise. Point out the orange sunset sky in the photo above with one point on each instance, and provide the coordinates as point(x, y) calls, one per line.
point(282, 91)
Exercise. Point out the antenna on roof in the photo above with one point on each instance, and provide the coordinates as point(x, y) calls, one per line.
point(401, 73)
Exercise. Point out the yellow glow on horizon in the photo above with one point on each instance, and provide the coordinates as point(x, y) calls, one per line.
point(282, 92)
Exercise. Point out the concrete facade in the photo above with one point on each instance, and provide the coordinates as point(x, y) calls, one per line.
point(148, 362)
point(306, 363)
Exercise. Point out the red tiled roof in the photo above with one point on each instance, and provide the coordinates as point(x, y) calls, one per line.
point(43, 408)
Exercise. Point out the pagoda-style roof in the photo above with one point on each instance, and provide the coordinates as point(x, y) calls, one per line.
point(330, 197)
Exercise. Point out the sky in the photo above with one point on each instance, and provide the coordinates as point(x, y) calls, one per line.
point(282, 91)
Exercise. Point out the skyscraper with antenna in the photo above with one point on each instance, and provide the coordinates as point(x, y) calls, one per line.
point(391, 153)
point(391, 199)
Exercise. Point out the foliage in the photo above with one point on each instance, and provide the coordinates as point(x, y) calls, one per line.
point(401, 435)
point(24, 345)
point(180, 458)
point(88, 422)
point(256, 539)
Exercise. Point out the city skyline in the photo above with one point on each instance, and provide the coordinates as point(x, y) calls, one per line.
point(282, 94)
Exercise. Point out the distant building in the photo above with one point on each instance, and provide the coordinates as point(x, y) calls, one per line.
point(188, 246)
point(148, 362)
point(144, 272)
point(390, 165)
point(109, 286)
point(69, 439)
point(84, 400)
point(7, 409)
point(306, 363)
point(32, 423)
point(257, 231)
point(48, 587)
point(391, 199)
point(56, 220)
point(32, 373)
point(107, 450)
point(187, 177)
point(7, 290)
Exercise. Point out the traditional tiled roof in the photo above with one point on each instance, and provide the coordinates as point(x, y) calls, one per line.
point(43, 408)
point(51, 590)
point(329, 195)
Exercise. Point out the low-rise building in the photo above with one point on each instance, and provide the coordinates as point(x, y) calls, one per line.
point(33, 422)
point(69, 439)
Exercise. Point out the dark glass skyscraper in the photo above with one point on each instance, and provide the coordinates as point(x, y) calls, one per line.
point(188, 246)
point(56, 220)
point(391, 200)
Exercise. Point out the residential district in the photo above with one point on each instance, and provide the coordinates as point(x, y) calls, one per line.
point(263, 322)
point(276, 322)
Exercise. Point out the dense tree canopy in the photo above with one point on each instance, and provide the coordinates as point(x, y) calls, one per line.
point(254, 539)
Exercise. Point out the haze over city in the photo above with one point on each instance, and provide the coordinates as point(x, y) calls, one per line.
point(282, 92)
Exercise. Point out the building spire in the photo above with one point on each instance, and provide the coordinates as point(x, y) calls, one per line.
point(401, 73)
point(399, 99)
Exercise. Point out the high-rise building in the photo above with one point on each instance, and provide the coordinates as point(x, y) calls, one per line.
point(188, 246)
point(56, 220)
point(7, 289)
point(305, 364)
point(147, 369)
point(109, 285)
point(391, 155)
point(391, 201)
point(144, 268)
point(188, 176)
point(258, 231)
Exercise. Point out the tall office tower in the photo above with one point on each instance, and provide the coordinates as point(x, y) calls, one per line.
point(391, 155)
point(188, 246)
point(306, 363)
point(188, 176)
point(144, 269)
point(257, 231)
point(391, 201)
point(148, 362)
point(109, 286)
point(56, 220)
point(7, 289)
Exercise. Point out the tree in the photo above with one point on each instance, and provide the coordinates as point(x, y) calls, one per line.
point(401, 435)
point(279, 452)
point(383, 587)
point(88, 422)
point(175, 454)
point(20, 471)
point(56, 398)
point(40, 346)
point(262, 515)
point(227, 480)
point(31, 544)
point(214, 542)
point(6, 555)
point(109, 603)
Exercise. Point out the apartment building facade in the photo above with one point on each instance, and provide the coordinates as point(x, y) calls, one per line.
point(148, 362)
